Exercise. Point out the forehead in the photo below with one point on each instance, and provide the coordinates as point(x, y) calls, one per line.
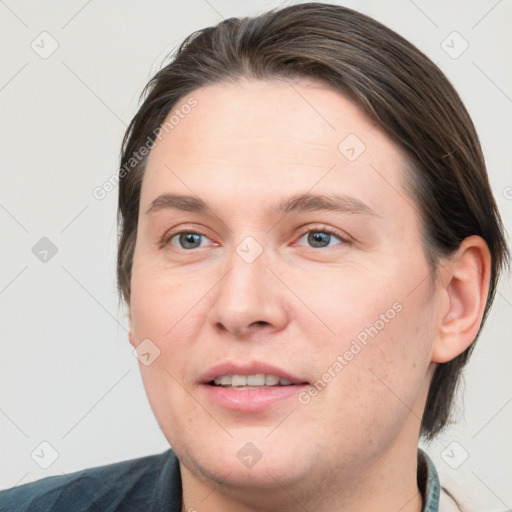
point(299, 112)
point(263, 137)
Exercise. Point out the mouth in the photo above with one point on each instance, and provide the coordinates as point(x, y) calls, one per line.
point(254, 381)
point(249, 387)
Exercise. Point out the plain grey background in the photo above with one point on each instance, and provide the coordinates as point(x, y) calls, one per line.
point(70, 78)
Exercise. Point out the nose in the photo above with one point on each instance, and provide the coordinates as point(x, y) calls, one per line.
point(249, 299)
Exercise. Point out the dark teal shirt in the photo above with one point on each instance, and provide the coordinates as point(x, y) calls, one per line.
point(147, 484)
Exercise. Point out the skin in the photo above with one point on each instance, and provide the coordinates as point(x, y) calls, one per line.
point(245, 147)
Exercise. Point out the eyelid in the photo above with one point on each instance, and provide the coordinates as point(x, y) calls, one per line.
point(323, 228)
point(172, 232)
point(168, 235)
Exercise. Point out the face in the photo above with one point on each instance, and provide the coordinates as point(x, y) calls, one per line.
point(280, 278)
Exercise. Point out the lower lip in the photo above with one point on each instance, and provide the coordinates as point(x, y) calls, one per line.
point(251, 400)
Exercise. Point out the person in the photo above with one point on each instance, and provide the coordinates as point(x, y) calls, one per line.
point(308, 250)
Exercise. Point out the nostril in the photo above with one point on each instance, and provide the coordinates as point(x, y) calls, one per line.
point(260, 322)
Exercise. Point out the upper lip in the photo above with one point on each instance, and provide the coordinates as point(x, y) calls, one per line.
point(248, 368)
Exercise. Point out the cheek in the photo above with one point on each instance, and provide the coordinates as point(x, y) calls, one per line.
point(159, 315)
point(169, 310)
point(163, 303)
point(348, 303)
point(378, 351)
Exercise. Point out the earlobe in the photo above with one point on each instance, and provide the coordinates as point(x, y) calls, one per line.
point(465, 281)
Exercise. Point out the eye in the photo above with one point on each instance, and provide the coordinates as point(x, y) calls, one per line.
point(321, 238)
point(317, 239)
point(187, 240)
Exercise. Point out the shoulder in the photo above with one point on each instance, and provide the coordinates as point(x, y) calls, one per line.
point(119, 487)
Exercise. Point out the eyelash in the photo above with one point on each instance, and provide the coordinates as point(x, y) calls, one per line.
point(167, 237)
point(325, 229)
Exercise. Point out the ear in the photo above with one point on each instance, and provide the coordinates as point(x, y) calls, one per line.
point(131, 337)
point(464, 280)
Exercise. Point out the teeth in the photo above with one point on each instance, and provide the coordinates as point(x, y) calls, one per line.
point(238, 380)
point(271, 380)
point(256, 380)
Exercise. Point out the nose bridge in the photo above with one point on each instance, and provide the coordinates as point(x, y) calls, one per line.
point(244, 285)
point(247, 294)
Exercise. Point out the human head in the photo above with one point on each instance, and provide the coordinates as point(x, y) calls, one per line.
point(398, 87)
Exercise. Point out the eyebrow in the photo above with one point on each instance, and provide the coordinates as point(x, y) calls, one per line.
point(296, 203)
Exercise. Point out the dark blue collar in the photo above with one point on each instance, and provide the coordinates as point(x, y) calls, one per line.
point(428, 482)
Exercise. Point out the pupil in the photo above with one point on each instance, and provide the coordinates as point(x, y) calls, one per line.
point(189, 240)
point(319, 239)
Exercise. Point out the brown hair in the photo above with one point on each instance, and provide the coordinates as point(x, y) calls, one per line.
point(390, 79)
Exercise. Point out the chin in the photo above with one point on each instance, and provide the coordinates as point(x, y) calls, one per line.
point(245, 464)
